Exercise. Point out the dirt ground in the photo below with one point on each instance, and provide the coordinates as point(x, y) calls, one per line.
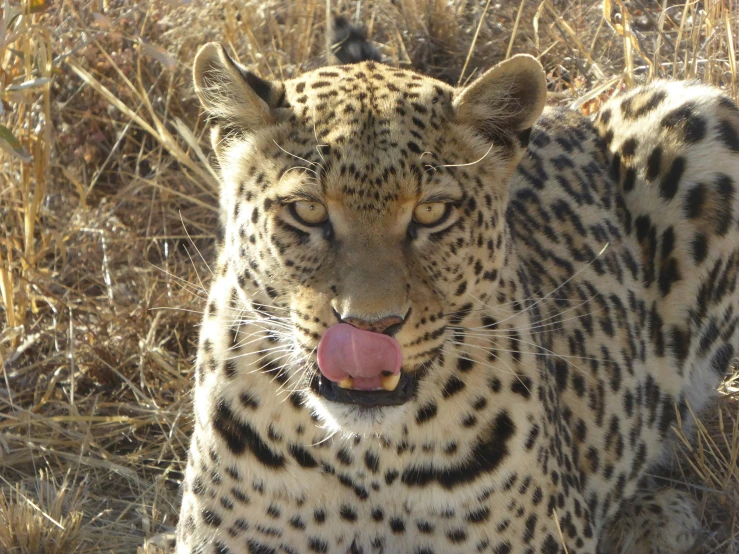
point(108, 210)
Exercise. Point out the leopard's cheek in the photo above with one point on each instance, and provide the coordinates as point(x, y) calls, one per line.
point(311, 315)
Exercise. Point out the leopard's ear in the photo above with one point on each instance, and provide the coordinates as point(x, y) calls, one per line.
point(232, 95)
point(504, 102)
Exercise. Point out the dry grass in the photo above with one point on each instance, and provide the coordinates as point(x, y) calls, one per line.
point(30, 521)
point(106, 197)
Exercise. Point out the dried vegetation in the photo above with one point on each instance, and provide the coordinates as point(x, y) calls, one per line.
point(107, 202)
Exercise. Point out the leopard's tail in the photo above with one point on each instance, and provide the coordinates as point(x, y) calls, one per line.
point(349, 44)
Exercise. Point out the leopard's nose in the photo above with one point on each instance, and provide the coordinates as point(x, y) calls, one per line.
point(388, 325)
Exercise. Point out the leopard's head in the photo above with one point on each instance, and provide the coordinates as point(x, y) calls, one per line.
point(364, 214)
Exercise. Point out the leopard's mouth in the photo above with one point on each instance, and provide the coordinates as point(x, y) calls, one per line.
point(403, 392)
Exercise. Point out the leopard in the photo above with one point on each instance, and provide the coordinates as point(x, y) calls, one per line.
point(455, 319)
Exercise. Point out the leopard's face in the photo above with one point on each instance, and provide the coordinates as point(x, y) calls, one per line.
point(364, 198)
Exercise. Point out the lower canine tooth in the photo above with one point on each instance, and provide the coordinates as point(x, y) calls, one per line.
point(346, 383)
point(390, 382)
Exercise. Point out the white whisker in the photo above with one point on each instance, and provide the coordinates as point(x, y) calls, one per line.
point(298, 157)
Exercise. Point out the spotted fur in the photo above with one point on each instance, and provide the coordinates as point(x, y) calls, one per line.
point(574, 302)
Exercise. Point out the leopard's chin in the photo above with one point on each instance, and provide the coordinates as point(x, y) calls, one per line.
point(350, 420)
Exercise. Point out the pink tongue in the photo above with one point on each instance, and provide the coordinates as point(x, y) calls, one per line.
point(345, 351)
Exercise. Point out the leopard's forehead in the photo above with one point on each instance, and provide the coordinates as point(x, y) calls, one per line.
point(371, 107)
point(368, 135)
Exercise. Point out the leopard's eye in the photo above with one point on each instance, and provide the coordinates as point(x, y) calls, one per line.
point(431, 213)
point(309, 212)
